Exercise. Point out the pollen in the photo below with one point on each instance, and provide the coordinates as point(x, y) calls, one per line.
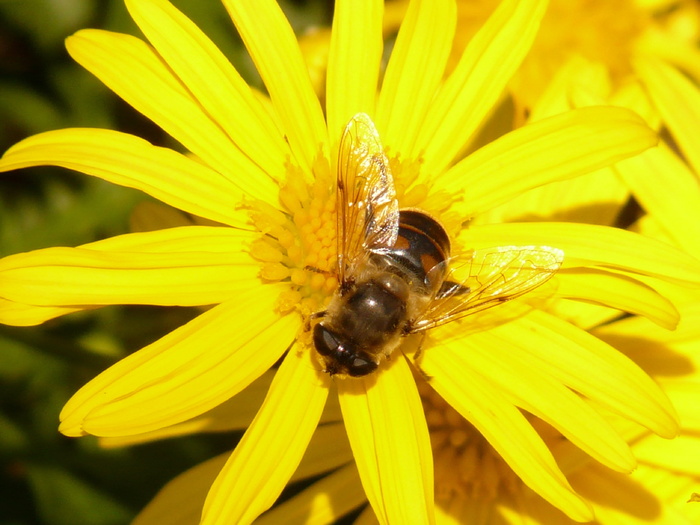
point(297, 243)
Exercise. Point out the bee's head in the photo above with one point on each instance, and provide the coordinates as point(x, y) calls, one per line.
point(341, 355)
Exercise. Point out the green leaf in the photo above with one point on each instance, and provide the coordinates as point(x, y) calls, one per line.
point(61, 498)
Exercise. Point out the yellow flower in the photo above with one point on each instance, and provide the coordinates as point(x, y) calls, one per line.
point(611, 33)
point(263, 166)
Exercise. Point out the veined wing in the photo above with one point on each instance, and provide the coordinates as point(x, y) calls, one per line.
point(480, 279)
point(368, 212)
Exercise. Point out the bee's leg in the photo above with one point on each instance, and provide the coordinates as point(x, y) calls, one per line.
point(423, 373)
point(419, 351)
point(317, 270)
point(417, 358)
point(315, 315)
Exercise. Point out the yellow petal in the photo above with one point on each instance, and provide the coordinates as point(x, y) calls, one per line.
point(273, 445)
point(325, 501)
point(353, 63)
point(593, 198)
point(587, 245)
point(187, 372)
point(235, 413)
point(20, 314)
point(617, 291)
point(503, 426)
point(678, 101)
point(273, 47)
point(389, 437)
point(132, 70)
point(180, 501)
point(618, 498)
point(512, 373)
point(468, 95)
point(216, 86)
point(414, 73)
point(593, 368)
point(688, 330)
point(677, 455)
point(552, 149)
point(667, 189)
point(133, 162)
point(328, 449)
point(177, 269)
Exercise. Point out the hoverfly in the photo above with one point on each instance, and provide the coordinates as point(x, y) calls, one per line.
point(395, 271)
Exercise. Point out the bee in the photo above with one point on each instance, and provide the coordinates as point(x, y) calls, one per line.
point(396, 275)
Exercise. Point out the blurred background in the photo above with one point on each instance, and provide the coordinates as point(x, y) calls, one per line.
point(46, 478)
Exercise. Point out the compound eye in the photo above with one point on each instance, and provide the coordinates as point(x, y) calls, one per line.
point(361, 367)
point(325, 341)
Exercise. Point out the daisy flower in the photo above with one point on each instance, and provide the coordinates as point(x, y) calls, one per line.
point(263, 166)
point(612, 33)
point(472, 482)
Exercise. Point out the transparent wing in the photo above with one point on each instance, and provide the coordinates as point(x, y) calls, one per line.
point(480, 279)
point(368, 212)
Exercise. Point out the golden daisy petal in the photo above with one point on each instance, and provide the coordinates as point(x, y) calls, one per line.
point(585, 315)
point(238, 412)
point(353, 62)
point(177, 269)
point(685, 395)
point(329, 449)
point(592, 368)
point(20, 314)
point(414, 73)
point(617, 291)
point(552, 149)
point(678, 101)
point(325, 501)
point(130, 161)
point(478, 81)
point(133, 71)
point(624, 335)
point(180, 501)
point(274, 49)
point(505, 428)
point(672, 203)
point(541, 395)
point(389, 437)
point(678, 455)
point(205, 239)
point(593, 198)
point(637, 499)
point(593, 245)
point(185, 373)
point(233, 414)
point(273, 445)
point(217, 86)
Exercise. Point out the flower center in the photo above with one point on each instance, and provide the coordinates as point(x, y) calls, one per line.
point(298, 244)
point(298, 241)
point(466, 466)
